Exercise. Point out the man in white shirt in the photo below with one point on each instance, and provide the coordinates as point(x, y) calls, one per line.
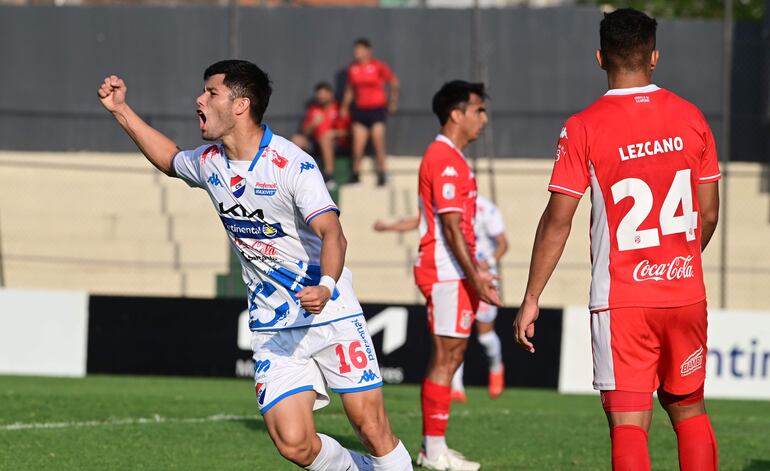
point(308, 327)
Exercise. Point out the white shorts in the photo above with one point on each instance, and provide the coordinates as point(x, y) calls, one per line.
point(486, 313)
point(452, 308)
point(339, 354)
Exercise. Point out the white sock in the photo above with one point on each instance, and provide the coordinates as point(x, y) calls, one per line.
point(434, 446)
point(332, 457)
point(457, 379)
point(491, 343)
point(397, 460)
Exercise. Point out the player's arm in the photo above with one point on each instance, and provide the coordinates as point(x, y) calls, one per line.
point(501, 246)
point(482, 281)
point(395, 92)
point(159, 149)
point(402, 225)
point(347, 100)
point(312, 121)
point(333, 246)
point(708, 199)
point(550, 239)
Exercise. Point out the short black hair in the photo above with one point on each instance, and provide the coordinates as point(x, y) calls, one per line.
point(245, 80)
point(627, 39)
point(323, 86)
point(455, 95)
point(363, 42)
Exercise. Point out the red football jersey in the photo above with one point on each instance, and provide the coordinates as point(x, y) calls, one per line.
point(447, 185)
point(368, 81)
point(329, 120)
point(643, 151)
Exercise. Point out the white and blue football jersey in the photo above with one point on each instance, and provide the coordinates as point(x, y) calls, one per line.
point(266, 205)
point(487, 226)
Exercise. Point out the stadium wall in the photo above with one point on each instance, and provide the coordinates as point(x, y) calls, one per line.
point(539, 64)
point(72, 334)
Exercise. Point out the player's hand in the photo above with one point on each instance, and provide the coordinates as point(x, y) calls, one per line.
point(380, 226)
point(112, 93)
point(524, 325)
point(484, 282)
point(392, 107)
point(314, 298)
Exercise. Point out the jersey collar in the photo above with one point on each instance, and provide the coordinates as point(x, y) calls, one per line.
point(447, 141)
point(263, 143)
point(632, 90)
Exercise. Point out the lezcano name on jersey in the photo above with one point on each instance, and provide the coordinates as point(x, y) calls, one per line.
point(650, 148)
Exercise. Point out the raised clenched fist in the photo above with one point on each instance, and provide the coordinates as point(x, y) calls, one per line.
point(112, 93)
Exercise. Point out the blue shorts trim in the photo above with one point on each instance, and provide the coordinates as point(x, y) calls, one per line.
point(362, 388)
point(284, 396)
point(310, 325)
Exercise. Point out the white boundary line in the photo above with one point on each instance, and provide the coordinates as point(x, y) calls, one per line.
point(156, 419)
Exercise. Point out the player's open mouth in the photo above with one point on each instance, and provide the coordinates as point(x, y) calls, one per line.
point(201, 118)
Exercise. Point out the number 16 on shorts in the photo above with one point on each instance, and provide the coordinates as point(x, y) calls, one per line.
point(355, 356)
point(355, 365)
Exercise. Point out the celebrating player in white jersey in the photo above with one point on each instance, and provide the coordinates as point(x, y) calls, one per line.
point(308, 330)
point(491, 245)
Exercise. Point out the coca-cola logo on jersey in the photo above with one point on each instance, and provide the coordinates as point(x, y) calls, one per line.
point(677, 269)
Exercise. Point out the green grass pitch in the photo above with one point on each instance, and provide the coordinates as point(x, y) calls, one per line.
point(159, 423)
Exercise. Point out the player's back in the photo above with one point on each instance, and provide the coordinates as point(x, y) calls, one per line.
point(644, 152)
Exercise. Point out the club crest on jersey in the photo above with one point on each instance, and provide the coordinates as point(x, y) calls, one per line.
point(466, 319)
point(237, 186)
point(260, 389)
point(448, 191)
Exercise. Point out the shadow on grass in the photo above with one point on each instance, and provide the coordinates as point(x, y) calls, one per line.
point(349, 442)
point(758, 465)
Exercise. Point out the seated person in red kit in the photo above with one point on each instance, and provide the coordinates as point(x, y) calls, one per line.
point(324, 131)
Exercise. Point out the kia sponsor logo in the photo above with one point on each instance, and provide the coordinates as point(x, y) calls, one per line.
point(677, 269)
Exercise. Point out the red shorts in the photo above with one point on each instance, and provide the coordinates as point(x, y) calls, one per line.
point(640, 349)
point(452, 308)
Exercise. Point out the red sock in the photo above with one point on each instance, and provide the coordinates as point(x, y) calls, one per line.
point(436, 400)
point(697, 444)
point(629, 448)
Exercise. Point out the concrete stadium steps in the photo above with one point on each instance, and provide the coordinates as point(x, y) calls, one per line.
point(181, 198)
point(26, 224)
point(108, 224)
point(377, 283)
point(521, 187)
point(70, 249)
point(110, 279)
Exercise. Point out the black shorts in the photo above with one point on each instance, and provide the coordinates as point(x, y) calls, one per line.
point(369, 116)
